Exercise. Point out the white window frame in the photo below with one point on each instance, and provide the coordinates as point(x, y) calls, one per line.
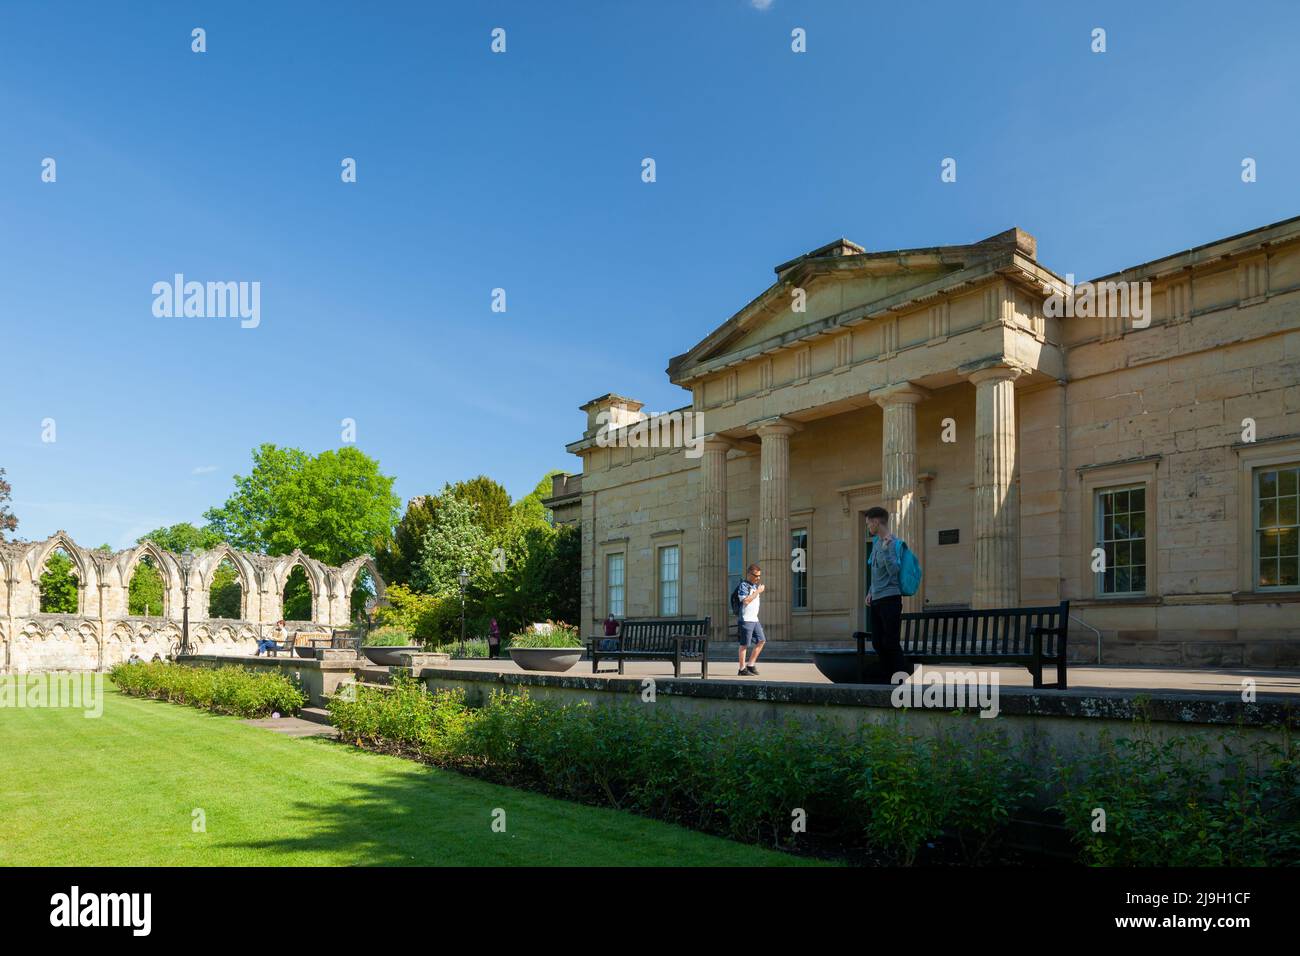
point(668, 589)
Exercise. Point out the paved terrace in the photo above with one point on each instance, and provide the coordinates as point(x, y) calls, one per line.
point(1082, 677)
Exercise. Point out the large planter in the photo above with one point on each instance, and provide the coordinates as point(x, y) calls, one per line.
point(839, 665)
point(305, 650)
point(389, 656)
point(546, 658)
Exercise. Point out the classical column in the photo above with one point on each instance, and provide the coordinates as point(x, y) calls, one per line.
point(898, 485)
point(774, 526)
point(997, 572)
point(713, 597)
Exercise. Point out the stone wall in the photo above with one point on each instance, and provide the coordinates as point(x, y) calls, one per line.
point(102, 633)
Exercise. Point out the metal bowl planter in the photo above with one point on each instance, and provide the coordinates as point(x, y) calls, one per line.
point(839, 665)
point(554, 659)
point(305, 650)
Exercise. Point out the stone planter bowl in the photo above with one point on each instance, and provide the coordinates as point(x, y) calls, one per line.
point(305, 650)
point(389, 656)
point(553, 659)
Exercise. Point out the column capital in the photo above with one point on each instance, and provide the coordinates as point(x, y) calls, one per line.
point(899, 393)
point(992, 370)
point(716, 443)
point(771, 427)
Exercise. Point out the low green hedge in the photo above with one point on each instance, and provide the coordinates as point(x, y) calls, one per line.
point(222, 690)
point(876, 792)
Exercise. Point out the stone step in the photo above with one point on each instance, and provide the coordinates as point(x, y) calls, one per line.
point(317, 715)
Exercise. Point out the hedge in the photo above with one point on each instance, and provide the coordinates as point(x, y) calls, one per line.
point(222, 690)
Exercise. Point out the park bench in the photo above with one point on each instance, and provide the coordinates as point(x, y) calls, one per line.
point(673, 639)
point(286, 645)
point(1029, 636)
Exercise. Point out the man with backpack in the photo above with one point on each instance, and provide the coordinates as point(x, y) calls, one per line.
point(744, 604)
point(893, 571)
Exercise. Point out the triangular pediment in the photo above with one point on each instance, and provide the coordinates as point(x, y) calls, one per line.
point(841, 279)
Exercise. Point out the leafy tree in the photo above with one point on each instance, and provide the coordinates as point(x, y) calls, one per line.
point(8, 521)
point(145, 592)
point(225, 595)
point(454, 541)
point(398, 557)
point(179, 537)
point(59, 585)
point(333, 506)
point(491, 501)
point(531, 503)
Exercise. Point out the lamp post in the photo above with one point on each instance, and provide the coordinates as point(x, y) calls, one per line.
point(187, 561)
point(463, 578)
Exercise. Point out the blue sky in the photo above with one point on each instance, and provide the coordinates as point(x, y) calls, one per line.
point(522, 171)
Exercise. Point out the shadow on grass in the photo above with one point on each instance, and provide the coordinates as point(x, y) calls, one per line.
point(424, 816)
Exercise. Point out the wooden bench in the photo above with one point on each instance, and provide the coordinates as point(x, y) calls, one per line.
point(670, 639)
point(286, 645)
point(1029, 636)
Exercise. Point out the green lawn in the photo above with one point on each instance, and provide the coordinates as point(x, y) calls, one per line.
point(120, 790)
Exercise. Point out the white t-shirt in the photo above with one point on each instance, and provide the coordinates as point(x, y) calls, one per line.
point(749, 612)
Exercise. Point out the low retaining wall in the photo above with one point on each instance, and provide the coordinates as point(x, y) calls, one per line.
point(1040, 722)
point(319, 677)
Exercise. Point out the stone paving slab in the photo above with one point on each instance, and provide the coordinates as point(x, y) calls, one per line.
point(292, 726)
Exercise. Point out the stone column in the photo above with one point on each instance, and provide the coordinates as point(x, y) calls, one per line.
point(997, 571)
point(713, 596)
point(774, 526)
point(898, 469)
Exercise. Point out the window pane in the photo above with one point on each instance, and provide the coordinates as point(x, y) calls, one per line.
point(1268, 484)
point(1287, 481)
point(1268, 542)
point(1268, 573)
point(1289, 572)
point(1286, 512)
point(1287, 542)
point(1140, 578)
point(1137, 499)
point(1138, 552)
point(1138, 525)
point(1268, 514)
point(1122, 580)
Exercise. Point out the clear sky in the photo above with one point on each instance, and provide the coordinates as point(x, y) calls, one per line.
point(522, 171)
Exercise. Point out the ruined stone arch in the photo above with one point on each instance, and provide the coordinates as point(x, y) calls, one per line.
point(37, 557)
point(249, 577)
point(167, 567)
point(315, 581)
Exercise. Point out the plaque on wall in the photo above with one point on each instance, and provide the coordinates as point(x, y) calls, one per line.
point(951, 536)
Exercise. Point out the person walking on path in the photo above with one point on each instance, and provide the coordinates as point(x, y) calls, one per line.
point(749, 632)
point(885, 599)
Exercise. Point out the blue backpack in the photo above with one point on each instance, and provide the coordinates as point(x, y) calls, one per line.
point(909, 569)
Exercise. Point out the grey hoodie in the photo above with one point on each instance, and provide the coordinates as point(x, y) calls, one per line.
point(884, 570)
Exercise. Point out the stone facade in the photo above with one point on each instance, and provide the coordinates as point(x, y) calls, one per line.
point(1010, 440)
point(102, 633)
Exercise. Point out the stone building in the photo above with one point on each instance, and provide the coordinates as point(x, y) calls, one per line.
point(102, 632)
point(1132, 445)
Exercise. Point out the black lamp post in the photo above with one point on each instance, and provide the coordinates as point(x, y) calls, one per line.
point(187, 561)
point(463, 578)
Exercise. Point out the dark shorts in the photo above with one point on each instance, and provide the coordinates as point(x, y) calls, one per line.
point(750, 633)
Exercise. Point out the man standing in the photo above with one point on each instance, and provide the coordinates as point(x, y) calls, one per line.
point(748, 630)
point(885, 598)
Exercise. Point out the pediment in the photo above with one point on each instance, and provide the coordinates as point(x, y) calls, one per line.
point(841, 280)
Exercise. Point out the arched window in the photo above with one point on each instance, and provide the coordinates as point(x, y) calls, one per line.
point(226, 594)
point(59, 584)
point(297, 595)
point(145, 593)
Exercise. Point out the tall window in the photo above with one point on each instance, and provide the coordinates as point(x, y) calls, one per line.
point(1277, 527)
point(735, 562)
point(614, 584)
point(799, 568)
point(1121, 534)
point(670, 575)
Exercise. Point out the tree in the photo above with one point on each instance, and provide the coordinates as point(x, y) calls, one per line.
point(145, 591)
point(178, 537)
point(59, 585)
point(333, 506)
point(398, 557)
point(8, 520)
point(454, 541)
point(225, 594)
point(491, 501)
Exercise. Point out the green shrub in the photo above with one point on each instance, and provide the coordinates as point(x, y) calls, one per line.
point(556, 634)
point(390, 635)
point(222, 690)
